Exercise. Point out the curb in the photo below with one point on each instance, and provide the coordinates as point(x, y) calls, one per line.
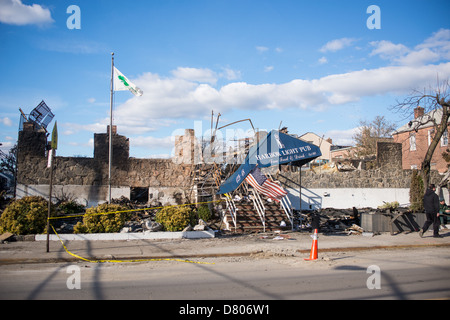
point(125, 259)
point(213, 255)
point(393, 247)
point(127, 236)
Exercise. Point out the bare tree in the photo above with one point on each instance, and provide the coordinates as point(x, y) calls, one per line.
point(369, 133)
point(434, 101)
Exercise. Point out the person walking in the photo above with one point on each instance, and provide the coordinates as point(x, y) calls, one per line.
point(431, 205)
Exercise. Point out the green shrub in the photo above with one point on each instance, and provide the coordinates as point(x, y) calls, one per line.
point(70, 207)
point(174, 218)
point(103, 223)
point(416, 192)
point(26, 216)
point(204, 213)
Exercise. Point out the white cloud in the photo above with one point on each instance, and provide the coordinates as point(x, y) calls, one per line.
point(420, 57)
point(73, 128)
point(195, 74)
point(337, 44)
point(89, 143)
point(433, 49)
point(6, 146)
point(6, 121)
point(16, 13)
point(230, 74)
point(268, 68)
point(323, 60)
point(149, 144)
point(152, 142)
point(343, 137)
point(439, 39)
point(388, 50)
point(175, 98)
point(191, 93)
point(261, 49)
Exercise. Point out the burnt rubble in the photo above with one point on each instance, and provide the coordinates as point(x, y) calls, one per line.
point(330, 220)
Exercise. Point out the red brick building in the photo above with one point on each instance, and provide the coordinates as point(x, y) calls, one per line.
point(416, 136)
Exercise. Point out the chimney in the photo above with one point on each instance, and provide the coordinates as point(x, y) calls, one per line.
point(114, 129)
point(418, 112)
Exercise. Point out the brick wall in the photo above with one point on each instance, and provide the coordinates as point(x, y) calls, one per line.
point(414, 158)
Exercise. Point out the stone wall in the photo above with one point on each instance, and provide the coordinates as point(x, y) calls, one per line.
point(388, 173)
point(387, 182)
point(373, 178)
point(172, 179)
point(389, 155)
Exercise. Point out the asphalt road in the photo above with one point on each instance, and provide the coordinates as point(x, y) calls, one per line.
point(421, 273)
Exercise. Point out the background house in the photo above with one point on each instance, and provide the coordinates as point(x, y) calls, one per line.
point(323, 144)
point(343, 152)
point(416, 136)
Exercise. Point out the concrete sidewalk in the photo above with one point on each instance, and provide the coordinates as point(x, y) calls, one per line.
point(284, 244)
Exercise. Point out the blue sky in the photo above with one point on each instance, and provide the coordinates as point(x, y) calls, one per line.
point(314, 65)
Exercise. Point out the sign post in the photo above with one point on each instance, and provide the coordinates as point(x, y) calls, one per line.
point(51, 154)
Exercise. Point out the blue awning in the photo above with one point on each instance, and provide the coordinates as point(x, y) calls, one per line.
point(276, 148)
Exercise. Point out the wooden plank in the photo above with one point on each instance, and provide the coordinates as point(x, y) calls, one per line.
point(5, 236)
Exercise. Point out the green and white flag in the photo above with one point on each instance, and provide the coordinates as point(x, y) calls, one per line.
point(122, 83)
point(54, 143)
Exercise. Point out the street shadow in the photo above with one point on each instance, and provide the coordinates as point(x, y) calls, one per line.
point(98, 291)
point(35, 293)
point(96, 283)
point(386, 280)
point(350, 268)
point(241, 283)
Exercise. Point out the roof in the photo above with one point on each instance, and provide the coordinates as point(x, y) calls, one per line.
point(425, 121)
point(321, 139)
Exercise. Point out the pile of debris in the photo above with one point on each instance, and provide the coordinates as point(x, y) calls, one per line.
point(335, 220)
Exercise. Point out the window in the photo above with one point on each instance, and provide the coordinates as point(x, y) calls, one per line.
point(139, 194)
point(412, 142)
point(444, 139)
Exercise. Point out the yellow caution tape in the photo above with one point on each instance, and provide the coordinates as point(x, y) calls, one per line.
point(123, 211)
point(131, 210)
point(122, 261)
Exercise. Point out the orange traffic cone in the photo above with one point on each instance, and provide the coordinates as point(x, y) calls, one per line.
point(314, 253)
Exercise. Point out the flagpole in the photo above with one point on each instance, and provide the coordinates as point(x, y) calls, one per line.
point(110, 127)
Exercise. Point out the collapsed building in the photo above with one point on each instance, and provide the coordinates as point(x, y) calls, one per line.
point(189, 178)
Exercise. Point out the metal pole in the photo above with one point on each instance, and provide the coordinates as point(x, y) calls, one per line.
point(300, 188)
point(110, 127)
point(52, 151)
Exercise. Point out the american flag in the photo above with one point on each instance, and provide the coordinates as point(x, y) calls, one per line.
point(264, 185)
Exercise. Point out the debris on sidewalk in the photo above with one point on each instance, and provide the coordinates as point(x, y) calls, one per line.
point(276, 235)
point(5, 236)
point(354, 229)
